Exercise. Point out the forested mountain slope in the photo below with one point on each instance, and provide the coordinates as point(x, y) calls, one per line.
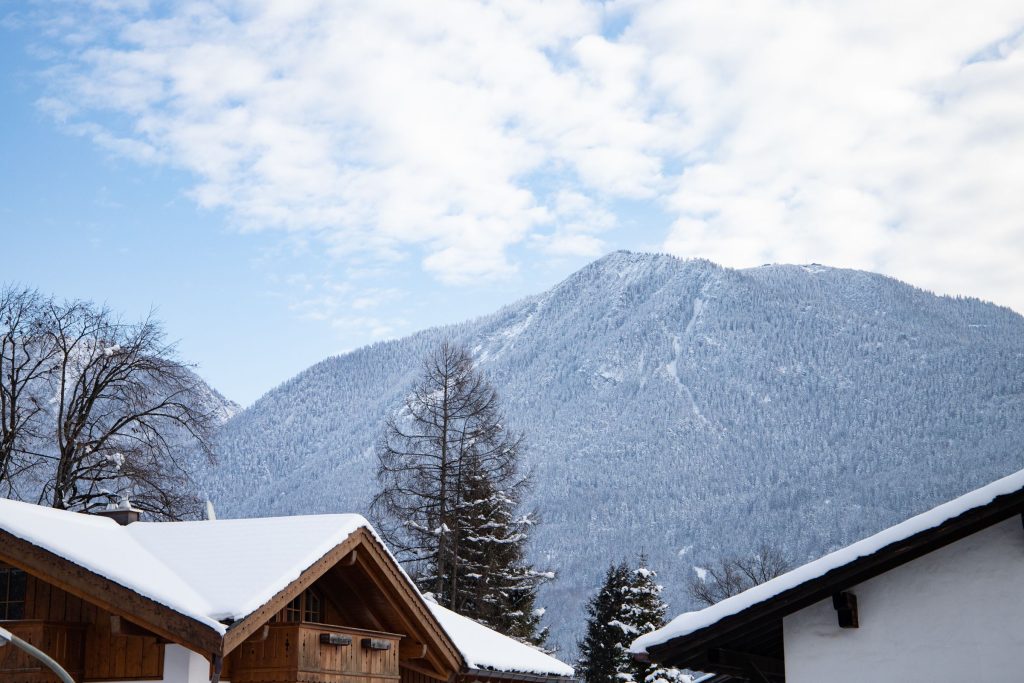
point(679, 408)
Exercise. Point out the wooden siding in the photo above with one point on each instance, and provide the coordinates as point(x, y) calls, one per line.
point(103, 656)
point(293, 653)
point(410, 676)
point(64, 642)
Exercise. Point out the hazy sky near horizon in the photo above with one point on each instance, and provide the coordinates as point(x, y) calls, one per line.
point(285, 180)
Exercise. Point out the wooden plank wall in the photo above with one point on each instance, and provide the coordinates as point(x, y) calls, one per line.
point(63, 642)
point(293, 653)
point(108, 657)
point(410, 676)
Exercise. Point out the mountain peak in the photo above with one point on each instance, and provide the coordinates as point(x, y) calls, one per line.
point(666, 400)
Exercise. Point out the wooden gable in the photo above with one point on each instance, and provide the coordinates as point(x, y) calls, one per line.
point(363, 588)
point(366, 601)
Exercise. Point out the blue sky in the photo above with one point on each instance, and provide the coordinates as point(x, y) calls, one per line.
point(283, 181)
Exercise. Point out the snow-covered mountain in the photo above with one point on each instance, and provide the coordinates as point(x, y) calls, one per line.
point(682, 409)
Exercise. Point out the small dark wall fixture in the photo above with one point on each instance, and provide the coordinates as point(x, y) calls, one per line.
point(376, 644)
point(335, 639)
point(845, 605)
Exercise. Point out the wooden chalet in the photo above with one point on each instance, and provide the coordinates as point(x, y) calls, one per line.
point(935, 598)
point(315, 599)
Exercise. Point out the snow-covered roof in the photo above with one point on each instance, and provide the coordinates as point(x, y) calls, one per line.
point(218, 571)
point(484, 648)
point(209, 571)
point(690, 622)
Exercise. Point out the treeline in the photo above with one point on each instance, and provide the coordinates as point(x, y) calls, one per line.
point(96, 411)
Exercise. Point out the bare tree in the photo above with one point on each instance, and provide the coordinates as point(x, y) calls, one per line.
point(125, 410)
point(450, 426)
point(26, 355)
point(734, 575)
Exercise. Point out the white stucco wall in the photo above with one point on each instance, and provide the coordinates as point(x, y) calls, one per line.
point(955, 614)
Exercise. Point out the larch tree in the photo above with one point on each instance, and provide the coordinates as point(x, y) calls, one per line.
point(450, 488)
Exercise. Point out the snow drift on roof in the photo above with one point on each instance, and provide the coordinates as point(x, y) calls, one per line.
point(209, 571)
point(483, 648)
point(690, 622)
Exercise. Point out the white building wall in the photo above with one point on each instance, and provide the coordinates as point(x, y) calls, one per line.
point(955, 614)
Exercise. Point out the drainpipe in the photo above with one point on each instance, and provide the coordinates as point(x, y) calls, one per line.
point(218, 665)
point(8, 637)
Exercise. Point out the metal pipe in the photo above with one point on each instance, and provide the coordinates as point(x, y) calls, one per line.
point(8, 637)
point(218, 664)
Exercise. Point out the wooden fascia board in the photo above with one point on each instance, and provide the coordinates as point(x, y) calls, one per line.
point(434, 632)
point(239, 631)
point(689, 648)
point(483, 675)
point(109, 595)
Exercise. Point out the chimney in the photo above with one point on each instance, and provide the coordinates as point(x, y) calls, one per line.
point(121, 512)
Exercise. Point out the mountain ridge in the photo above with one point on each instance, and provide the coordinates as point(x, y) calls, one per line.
point(666, 400)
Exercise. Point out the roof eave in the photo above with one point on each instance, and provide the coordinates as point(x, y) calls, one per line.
point(109, 595)
point(681, 649)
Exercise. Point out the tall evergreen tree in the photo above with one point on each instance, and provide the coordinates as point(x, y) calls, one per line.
point(627, 606)
point(645, 612)
point(498, 585)
point(603, 650)
point(451, 487)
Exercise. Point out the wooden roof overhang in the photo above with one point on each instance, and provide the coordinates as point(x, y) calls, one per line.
point(109, 595)
point(748, 645)
point(431, 650)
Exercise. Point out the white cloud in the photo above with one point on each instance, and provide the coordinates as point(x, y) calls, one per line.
point(854, 134)
point(869, 134)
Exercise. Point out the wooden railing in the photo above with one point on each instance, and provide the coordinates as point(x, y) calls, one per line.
point(316, 653)
point(65, 642)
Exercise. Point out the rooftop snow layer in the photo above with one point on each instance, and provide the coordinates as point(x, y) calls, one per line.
point(483, 648)
point(210, 570)
point(690, 622)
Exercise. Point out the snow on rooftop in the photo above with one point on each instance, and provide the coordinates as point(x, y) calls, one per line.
point(237, 565)
point(219, 570)
point(690, 622)
point(484, 648)
point(210, 570)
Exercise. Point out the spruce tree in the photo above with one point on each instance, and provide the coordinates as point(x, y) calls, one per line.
point(645, 612)
point(628, 605)
point(603, 651)
point(497, 585)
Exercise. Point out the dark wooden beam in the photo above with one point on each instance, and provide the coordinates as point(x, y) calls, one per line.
point(411, 649)
point(260, 635)
point(119, 626)
point(731, 661)
point(845, 605)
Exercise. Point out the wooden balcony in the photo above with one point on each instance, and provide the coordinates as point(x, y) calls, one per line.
point(65, 642)
point(315, 653)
